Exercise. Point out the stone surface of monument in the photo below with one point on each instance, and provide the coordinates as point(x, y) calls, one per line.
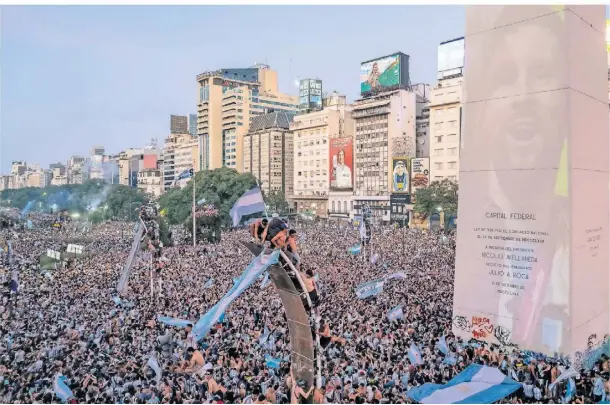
point(532, 264)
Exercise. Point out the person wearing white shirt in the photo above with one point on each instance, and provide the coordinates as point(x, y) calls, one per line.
point(343, 174)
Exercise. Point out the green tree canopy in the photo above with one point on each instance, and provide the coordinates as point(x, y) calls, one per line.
point(276, 200)
point(221, 187)
point(440, 195)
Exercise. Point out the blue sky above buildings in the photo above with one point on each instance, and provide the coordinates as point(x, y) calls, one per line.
point(74, 77)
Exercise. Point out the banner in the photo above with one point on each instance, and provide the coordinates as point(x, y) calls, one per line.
point(420, 175)
point(341, 163)
point(369, 289)
point(400, 175)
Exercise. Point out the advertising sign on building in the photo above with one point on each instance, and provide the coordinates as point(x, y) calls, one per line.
point(310, 94)
point(420, 175)
point(400, 175)
point(451, 57)
point(341, 163)
point(381, 73)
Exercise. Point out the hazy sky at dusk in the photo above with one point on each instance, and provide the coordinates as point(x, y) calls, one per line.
point(74, 77)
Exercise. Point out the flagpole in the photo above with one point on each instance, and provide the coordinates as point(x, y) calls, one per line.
point(194, 241)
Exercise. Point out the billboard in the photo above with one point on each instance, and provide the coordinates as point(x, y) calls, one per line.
point(341, 163)
point(451, 56)
point(400, 175)
point(310, 94)
point(420, 175)
point(379, 74)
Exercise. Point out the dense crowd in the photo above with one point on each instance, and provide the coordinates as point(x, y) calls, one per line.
point(70, 322)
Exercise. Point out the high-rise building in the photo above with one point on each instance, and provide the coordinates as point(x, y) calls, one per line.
point(268, 152)
point(178, 124)
point(193, 125)
point(150, 181)
point(98, 150)
point(446, 112)
point(313, 132)
point(384, 143)
point(229, 99)
point(422, 120)
point(18, 168)
point(180, 152)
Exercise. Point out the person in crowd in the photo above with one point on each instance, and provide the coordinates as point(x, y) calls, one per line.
point(257, 228)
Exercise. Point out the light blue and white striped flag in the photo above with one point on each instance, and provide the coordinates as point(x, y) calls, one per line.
point(475, 385)
point(355, 249)
point(177, 322)
point(185, 174)
point(117, 300)
point(249, 203)
point(570, 391)
point(61, 388)
point(395, 313)
point(272, 362)
point(399, 276)
point(369, 289)
point(252, 272)
point(154, 364)
point(263, 338)
point(442, 345)
point(209, 283)
point(415, 355)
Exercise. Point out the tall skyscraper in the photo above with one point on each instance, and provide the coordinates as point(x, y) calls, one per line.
point(178, 124)
point(229, 99)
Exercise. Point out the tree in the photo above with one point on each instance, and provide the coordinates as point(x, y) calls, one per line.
point(220, 187)
point(122, 202)
point(276, 200)
point(439, 196)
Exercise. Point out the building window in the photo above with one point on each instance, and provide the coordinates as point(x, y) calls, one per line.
point(438, 152)
point(451, 165)
point(452, 151)
point(438, 165)
point(439, 138)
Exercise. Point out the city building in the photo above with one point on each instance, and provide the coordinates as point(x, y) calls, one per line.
point(47, 177)
point(180, 153)
point(60, 180)
point(446, 112)
point(34, 179)
point(422, 120)
point(310, 95)
point(178, 124)
point(229, 99)
point(97, 150)
point(150, 181)
point(268, 152)
point(312, 133)
point(130, 162)
point(385, 135)
point(18, 168)
point(193, 125)
point(6, 182)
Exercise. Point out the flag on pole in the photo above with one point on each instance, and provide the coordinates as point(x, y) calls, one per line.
point(61, 388)
point(188, 173)
point(250, 274)
point(249, 203)
point(369, 289)
point(355, 249)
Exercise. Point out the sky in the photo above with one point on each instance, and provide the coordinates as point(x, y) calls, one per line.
point(75, 77)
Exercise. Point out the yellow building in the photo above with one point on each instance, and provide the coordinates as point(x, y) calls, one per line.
point(228, 101)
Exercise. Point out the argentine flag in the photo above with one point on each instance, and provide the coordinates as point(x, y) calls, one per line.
point(249, 203)
point(266, 281)
point(442, 345)
point(179, 323)
point(415, 355)
point(252, 272)
point(355, 249)
point(395, 313)
point(209, 283)
point(272, 362)
point(399, 276)
point(61, 388)
point(185, 174)
point(475, 385)
point(369, 289)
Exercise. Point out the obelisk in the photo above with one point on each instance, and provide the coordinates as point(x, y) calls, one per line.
point(532, 265)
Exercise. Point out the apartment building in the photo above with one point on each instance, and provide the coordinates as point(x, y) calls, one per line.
point(268, 152)
point(180, 153)
point(178, 124)
point(229, 99)
point(385, 128)
point(445, 129)
point(150, 181)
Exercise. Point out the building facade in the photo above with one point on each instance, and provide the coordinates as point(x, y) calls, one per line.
point(268, 152)
point(180, 153)
point(229, 99)
point(178, 124)
point(150, 181)
point(385, 134)
point(445, 129)
point(312, 161)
